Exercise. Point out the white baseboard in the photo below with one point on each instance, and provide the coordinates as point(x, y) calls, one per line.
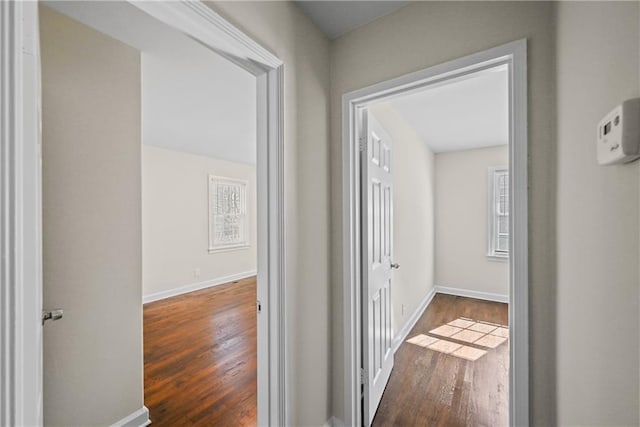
point(472, 294)
point(334, 422)
point(411, 322)
point(196, 286)
point(139, 418)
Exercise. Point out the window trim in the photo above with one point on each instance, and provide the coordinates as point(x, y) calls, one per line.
point(492, 253)
point(213, 180)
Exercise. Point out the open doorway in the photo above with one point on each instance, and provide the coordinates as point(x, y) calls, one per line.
point(449, 283)
point(199, 234)
point(196, 114)
point(92, 208)
point(435, 175)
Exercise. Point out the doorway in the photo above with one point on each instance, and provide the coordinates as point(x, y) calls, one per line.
point(201, 23)
point(366, 361)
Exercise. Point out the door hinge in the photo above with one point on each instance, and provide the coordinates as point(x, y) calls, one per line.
point(362, 143)
point(258, 306)
point(363, 376)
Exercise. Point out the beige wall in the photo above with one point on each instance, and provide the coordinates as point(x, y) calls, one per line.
point(175, 220)
point(413, 215)
point(91, 223)
point(423, 34)
point(282, 28)
point(461, 221)
point(597, 211)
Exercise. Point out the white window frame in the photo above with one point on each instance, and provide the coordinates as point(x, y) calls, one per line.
point(492, 213)
point(244, 242)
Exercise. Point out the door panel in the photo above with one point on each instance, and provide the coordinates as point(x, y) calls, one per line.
point(377, 199)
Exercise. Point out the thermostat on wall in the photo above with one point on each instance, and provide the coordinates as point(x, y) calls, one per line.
point(619, 134)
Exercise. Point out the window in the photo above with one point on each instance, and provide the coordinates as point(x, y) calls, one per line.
point(498, 214)
point(227, 214)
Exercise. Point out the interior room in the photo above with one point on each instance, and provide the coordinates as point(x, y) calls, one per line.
point(199, 236)
point(72, 208)
point(450, 282)
point(193, 114)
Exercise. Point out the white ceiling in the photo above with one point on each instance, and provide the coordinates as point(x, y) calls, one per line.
point(193, 100)
point(335, 18)
point(471, 112)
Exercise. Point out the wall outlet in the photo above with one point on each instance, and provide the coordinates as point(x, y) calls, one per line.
point(196, 272)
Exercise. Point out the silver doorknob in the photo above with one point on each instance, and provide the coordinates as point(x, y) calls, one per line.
point(395, 265)
point(55, 314)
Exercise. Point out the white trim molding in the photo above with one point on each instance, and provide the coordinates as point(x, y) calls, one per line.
point(514, 56)
point(411, 322)
point(242, 241)
point(21, 399)
point(157, 296)
point(460, 292)
point(20, 212)
point(139, 418)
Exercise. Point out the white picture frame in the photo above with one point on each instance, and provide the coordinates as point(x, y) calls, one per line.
point(228, 214)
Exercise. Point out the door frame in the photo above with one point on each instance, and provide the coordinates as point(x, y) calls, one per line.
point(20, 203)
point(514, 55)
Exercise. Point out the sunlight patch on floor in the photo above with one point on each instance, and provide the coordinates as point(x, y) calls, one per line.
point(462, 330)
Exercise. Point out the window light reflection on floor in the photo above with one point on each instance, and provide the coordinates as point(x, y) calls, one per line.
point(463, 330)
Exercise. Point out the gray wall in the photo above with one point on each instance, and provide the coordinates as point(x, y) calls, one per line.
point(175, 222)
point(462, 194)
point(91, 224)
point(597, 219)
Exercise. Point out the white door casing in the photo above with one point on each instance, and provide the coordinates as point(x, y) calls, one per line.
point(377, 237)
point(514, 55)
point(20, 204)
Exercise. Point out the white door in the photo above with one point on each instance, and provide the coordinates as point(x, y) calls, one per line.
point(377, 193)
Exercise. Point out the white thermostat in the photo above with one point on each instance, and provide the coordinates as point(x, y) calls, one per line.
point(619, 134)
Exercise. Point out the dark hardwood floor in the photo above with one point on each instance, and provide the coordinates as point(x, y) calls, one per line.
point(200, 357)
point(430, 388)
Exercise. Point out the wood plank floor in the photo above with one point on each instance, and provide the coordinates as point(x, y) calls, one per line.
point(430, 388)
point(200, 357)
